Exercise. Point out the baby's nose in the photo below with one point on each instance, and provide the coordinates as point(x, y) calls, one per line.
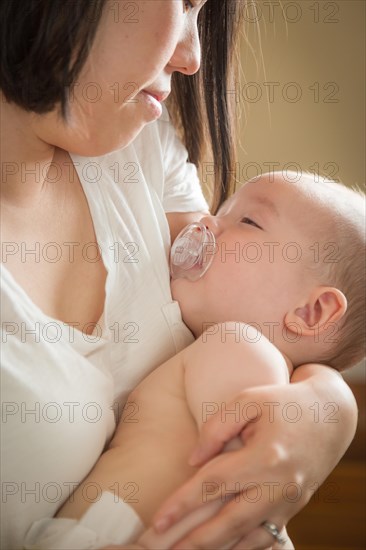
point(212, 223)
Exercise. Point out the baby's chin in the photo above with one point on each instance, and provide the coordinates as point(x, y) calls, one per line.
point(175, 285)
point(181, 290)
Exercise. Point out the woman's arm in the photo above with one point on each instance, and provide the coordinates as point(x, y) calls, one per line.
point(334, 409)
point(316, 411)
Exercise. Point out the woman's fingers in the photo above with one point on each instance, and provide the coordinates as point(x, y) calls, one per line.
point(224, 475)
point(269, 473)
point(259, 539)
point(289, 545)
point(215, 433)
point(225, 529)
point(245, 505)
point(206, 485)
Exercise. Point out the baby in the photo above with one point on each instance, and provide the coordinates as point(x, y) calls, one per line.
point(276, 284)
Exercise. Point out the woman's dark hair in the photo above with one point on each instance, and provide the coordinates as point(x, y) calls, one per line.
point(202, 105)
point(45, 43)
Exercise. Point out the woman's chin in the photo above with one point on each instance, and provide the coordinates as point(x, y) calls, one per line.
point(97, 141)
point(99, 148)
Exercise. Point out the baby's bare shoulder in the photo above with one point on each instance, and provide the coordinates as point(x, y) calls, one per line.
point(229, 358)
point(238, 339)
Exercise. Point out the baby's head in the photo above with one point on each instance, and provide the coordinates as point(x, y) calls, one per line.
point(290, 259)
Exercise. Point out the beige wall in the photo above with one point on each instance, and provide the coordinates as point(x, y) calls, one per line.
point(307, 44)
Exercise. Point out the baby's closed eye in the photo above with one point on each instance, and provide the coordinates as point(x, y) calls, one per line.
point(250, 222)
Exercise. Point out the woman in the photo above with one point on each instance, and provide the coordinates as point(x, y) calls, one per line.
point(89, 170)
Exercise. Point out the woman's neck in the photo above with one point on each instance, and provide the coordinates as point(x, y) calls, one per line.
point(24, 157)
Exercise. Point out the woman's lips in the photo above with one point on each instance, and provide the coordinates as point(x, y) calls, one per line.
point(152, 103)
point(159, 96)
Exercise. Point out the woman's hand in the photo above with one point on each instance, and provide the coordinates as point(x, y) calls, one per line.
point(293, 437)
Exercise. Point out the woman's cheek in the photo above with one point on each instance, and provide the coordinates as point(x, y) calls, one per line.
point(168, 22)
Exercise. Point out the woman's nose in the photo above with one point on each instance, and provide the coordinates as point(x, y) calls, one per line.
point(187, 55)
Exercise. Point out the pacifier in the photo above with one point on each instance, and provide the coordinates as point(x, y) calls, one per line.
point(192, 252)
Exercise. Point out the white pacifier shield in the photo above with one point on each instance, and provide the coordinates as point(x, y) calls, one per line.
point(192, 252)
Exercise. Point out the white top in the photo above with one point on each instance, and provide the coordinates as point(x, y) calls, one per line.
point(59, 386)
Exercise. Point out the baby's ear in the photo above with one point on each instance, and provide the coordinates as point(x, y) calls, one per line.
point(324, 305)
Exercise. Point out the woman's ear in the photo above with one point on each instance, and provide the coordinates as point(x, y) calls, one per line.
point(324, 305)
